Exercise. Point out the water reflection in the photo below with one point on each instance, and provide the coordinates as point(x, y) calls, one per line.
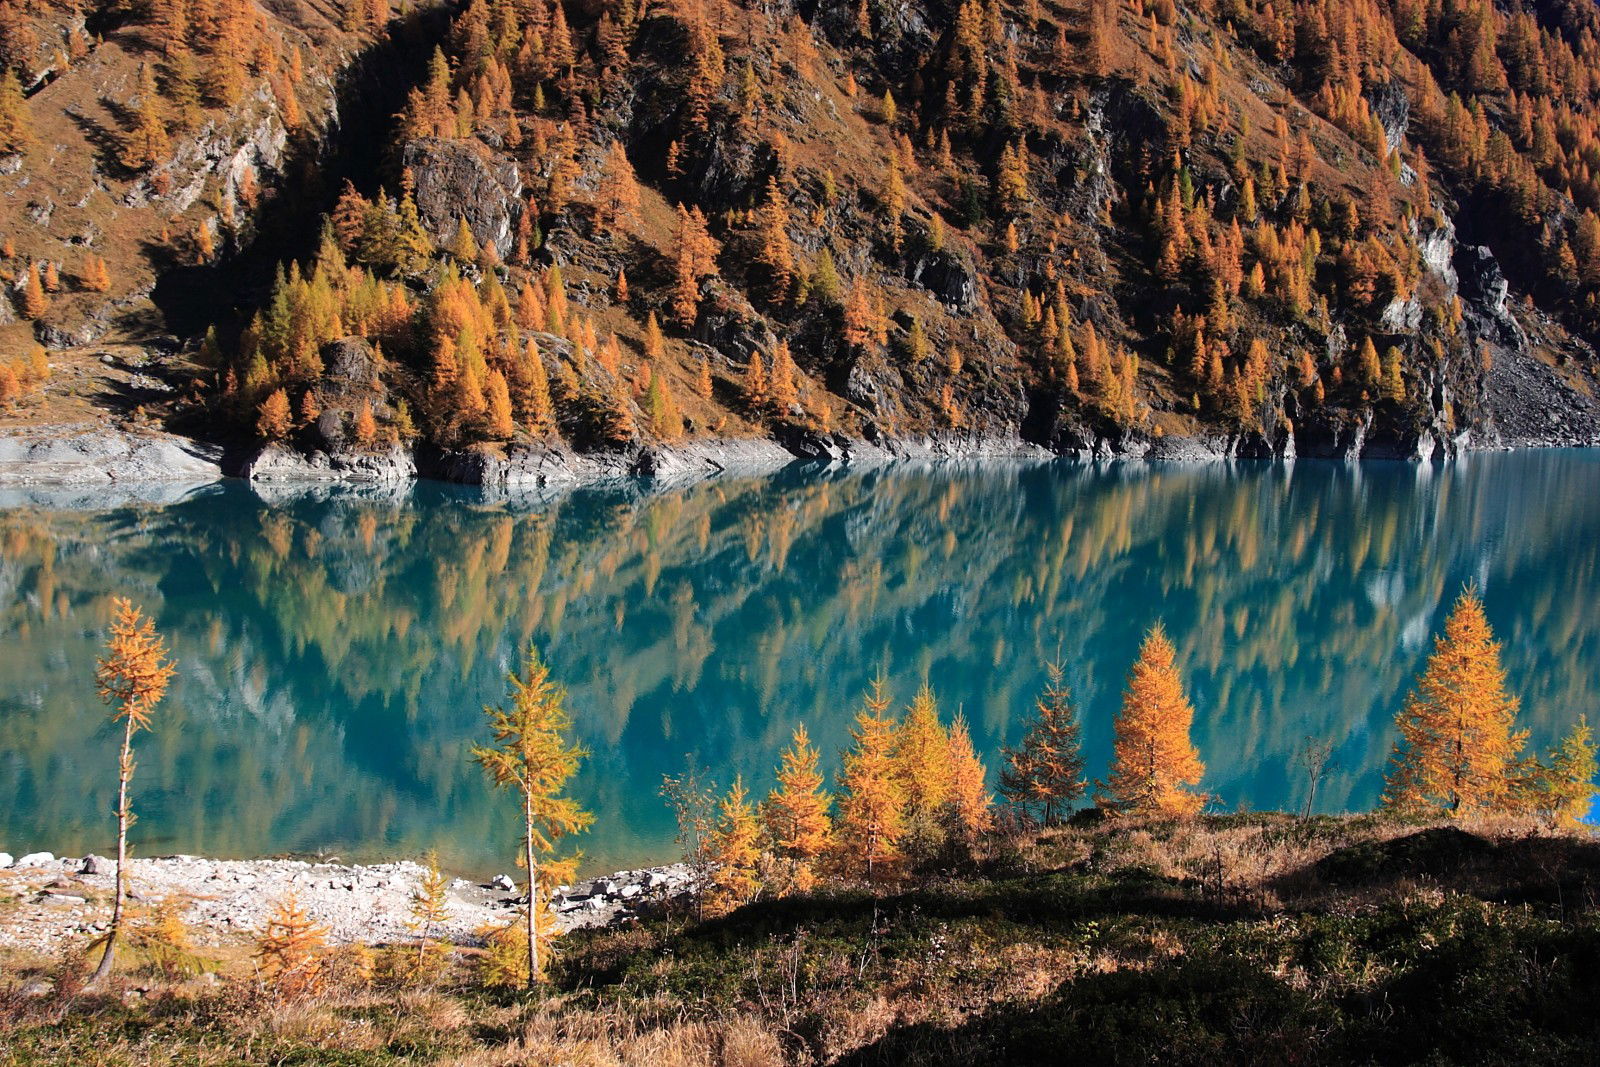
point(336, 646)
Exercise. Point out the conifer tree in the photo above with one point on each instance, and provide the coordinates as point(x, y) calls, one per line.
point(463, 246)
point(969, 801)
point(147, 143)
point(1047, 767)
point(620, 427)
point(33, 303)
point(1565, 786)
point(654, 344)
point(922, 755)
point(695, 258)
point(274, 420)
point(871, 819)
point(774, 253)
point(617, 200)
point(132, 678)
point(825, 278)
point(858, 317)
point(429, 912)
point(1457, 750)
point(1371, 368)
point(665, 421)
point(95, 276)
point(757, 390)
point(540, 413)
point(497, 396)
point(735, 852)
point(796, 813)
point(16, 133)
point(290, 950)
point(365, 426)
point(530, 754)
point(894, 205)
point(702, 380)
point(785, 388)
point(205, 242)
point(1154, 761)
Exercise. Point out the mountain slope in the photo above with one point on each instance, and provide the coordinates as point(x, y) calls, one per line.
point(1340, 228)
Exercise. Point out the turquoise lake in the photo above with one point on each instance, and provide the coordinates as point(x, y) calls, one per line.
point(336, 647)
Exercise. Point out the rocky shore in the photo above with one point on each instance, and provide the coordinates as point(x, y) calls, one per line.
point(95, 458)
point(49, 903)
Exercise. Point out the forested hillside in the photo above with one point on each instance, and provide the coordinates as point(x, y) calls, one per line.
point(1325, 227)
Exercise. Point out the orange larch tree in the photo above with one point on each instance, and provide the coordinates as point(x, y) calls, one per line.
point(530, 754)
point(1154, 762)
point(132, 678)
point(1564, 788)
point(775, 253)
point(1457, 750)
point(922, 765)
point(696, 258)
point(617, 199)
point(796, 813)
point(969, 802)
point(871, 803)
point(735, 853)
point(922, 755)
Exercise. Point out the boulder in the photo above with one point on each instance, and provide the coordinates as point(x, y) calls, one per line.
point(463, 179)
point(93, 864)
point(503, 883)
point(36, 859)
point(6, 859)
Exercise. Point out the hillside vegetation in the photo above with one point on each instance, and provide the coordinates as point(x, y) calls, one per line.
point(1334, 228)
point(1239, 939)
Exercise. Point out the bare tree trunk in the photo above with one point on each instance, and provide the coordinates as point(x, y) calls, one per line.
point(533, 894)
point(124, 772)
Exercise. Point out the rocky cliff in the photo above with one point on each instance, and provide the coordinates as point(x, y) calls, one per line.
point(606, 231)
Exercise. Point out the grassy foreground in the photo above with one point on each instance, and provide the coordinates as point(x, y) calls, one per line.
point(1229, 939)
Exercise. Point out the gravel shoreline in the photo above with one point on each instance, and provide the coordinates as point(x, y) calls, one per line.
point(48, 903)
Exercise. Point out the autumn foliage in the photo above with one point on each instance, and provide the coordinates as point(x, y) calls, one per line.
point(1155, 764)
point(132, 678)
point(530, 755)
point(1458, 745)
point(871, 817)
point(796, 813)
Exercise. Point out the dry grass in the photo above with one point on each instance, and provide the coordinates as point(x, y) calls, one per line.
point(1280, 904)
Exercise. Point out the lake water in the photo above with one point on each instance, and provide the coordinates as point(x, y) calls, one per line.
point(336, 647)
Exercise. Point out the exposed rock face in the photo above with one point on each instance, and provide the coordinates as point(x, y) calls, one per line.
point(70, 334)
point(1393, 108)
point(952, 280)
point(221, 149)
point(70, 455)
point(1484, 288)
point(279, 463)
point(463, 179)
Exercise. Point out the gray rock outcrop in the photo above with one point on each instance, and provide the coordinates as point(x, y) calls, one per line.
point(463, 179)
